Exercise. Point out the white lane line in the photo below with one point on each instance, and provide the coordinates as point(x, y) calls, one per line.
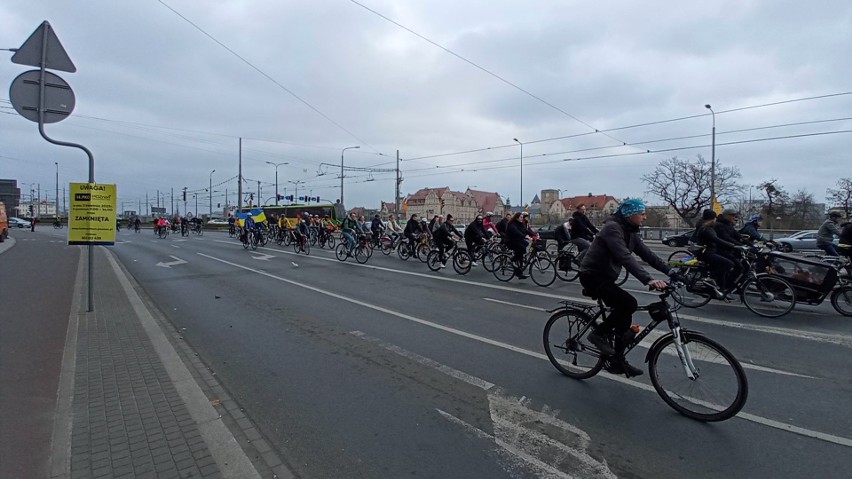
point(653, 335)
point(830, 338)
point(749, 417)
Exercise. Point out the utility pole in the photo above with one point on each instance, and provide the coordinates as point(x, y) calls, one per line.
point(398, 181)
point(240, 179)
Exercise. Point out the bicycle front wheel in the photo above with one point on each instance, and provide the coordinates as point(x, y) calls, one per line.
point(719, 389)
point(692, 293)
point(542, 271)
point(461, 262)
point(503, 268)
point(567, 349)
point(341, 252)
point(566, 268)
point(422, 252)
point(433, 260)
point(768, 296)
point(841, 299)
point(362, 254)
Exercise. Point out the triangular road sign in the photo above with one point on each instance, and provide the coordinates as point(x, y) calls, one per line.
point(30, 51)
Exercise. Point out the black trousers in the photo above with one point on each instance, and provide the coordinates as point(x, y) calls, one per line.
point(623, 304)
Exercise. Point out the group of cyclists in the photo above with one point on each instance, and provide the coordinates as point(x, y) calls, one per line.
point(163, 225)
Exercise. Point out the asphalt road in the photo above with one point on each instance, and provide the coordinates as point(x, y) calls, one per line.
point(390, 370)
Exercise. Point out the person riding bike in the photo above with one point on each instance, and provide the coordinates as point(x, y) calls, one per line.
point(504, 223)
point(412, 229)
point(474, 235)
point(750, 230)
point(248, 227)
point(349, 227)
point(394, 228)
point(377, 228)
point(489, 226)
point(582, 229)
point(730, 240)
point(612, 249)
point(443, 235)
point(562, 234)
point(515, 240)
point(721, 266)
point(827, 232)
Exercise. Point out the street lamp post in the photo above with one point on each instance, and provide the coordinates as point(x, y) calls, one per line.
point(210, 195)
point(296, 194)
point(276, 165)
point(712, 159)
point(522, 172)
point(341, 171)
point(57, 189)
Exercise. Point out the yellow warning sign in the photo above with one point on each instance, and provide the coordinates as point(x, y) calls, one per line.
point(91, 219)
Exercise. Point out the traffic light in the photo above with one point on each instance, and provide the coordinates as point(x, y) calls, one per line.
point(442, 204)
point(184, 195)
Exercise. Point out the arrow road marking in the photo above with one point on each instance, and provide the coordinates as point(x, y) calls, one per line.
point(262, 256)
point(176, 262)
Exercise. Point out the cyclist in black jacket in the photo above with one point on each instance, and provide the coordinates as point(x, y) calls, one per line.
point(412, 228)
point(730, 239)
point(562, 234)
point(515, 240)
point(474, 235)
point(582, 228)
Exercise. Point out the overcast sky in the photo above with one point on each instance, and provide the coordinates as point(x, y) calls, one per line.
point(161, 104)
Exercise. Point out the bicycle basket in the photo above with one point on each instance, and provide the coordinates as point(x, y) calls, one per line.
point(540, 245)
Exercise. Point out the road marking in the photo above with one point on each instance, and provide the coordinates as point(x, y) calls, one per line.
point(176, 262)
point(527, 436)
point(262, 257)
point(748, 417)
point(830, 338)
point(653, 335)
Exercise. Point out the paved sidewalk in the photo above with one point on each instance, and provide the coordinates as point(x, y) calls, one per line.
point(128, 407)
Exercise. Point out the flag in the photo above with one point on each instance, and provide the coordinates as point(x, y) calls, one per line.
point(717, 207)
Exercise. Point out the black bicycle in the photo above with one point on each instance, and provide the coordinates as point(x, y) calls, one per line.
point(693, 374)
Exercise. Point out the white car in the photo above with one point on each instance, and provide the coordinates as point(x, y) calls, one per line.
point(217, 221)
point(20, 223)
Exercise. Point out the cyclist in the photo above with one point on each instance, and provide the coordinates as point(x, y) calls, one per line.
point(377, 228)
point(302, 231)
point(394, 228)
point(349, 227)
point(160, 223)
point(504, 223)
point(444, 234)
point(721, 265)
point(827, 232)
point(424, 225)
point(184, 225)
point(582, 229)
point(137, 223)
point(612, 249)
point(726, 232)
point(562, 234)
point(474, 236)
point(232, 225)
point(412, 229)
point(750, 230)
point(515, 240)
point(488, 226)
point(248, 227)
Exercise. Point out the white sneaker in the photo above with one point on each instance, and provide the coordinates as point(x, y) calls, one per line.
point(443, 265)
point(474, 263)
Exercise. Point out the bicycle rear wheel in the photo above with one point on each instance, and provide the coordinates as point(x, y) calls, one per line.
point(565, 345)
point(403, 250)
point(340, 252)
point(386, 244)
point(423, 252)
point(542, 271)
point(768, 296)
point(841, 299)
point(503, 268)
point(433, 260)
point(572, 269)
point(306, 248)
point(719, 389)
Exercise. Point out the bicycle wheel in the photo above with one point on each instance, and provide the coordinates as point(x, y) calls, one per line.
point(692, 293)
point(542, 271)
point(719, 389)
point(199, 231)
point(571, 270)
point(386, 245)
point(162, 233)
point(622, 276)
point(841, 299)
point(340, 252)
point(461, 261)
point(362, 254)
point(403, 251)
point(566, 349)
point(253, 242)
point(313, 238)
point(433, 260)
point(422, 252)
point(288, 238)
point(680, 256)
point(306, 248)
point(246, 243)
point(330, 241)
point(503, 268)
point(488, 258)
point(296, 247)
point(768, 296)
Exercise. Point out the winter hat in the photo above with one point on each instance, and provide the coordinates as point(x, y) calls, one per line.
point(708, 215)
point(631, 206)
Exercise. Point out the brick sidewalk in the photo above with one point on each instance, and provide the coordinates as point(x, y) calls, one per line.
point(136, 411)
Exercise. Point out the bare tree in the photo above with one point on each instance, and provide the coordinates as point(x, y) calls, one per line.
point(776, 197)
point(841, 196)
point(802, 211)
point(685, 185)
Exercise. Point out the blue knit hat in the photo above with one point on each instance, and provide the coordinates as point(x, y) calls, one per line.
point(631, 206)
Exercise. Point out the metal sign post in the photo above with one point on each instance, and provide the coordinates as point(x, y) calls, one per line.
point(43, 97)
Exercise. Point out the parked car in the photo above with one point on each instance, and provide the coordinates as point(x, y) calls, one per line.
point(546, 232)
point(798, 241)
point(18, 222)
point(679, 240)
point(217, 221)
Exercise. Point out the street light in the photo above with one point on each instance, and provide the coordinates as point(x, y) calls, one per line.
point(57, 189)
point(276, 165)
point(210, 191)
point(341, 171)
point(712, 160)
point(522, 172)
point(296, 194)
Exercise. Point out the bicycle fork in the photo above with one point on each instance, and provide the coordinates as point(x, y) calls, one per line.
point(683, 354)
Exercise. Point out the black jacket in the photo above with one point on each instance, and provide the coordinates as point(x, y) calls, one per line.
point(750, 230)
point(613, 248)
point(846, 233)
point(583, 227)
point(516, 231)
point(728, 234)
point(474, 232)
point(412, 227)
point(502, 225)
point(708, 238)
point(561, 235)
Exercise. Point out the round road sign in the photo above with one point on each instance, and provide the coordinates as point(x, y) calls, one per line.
point(58, 97)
